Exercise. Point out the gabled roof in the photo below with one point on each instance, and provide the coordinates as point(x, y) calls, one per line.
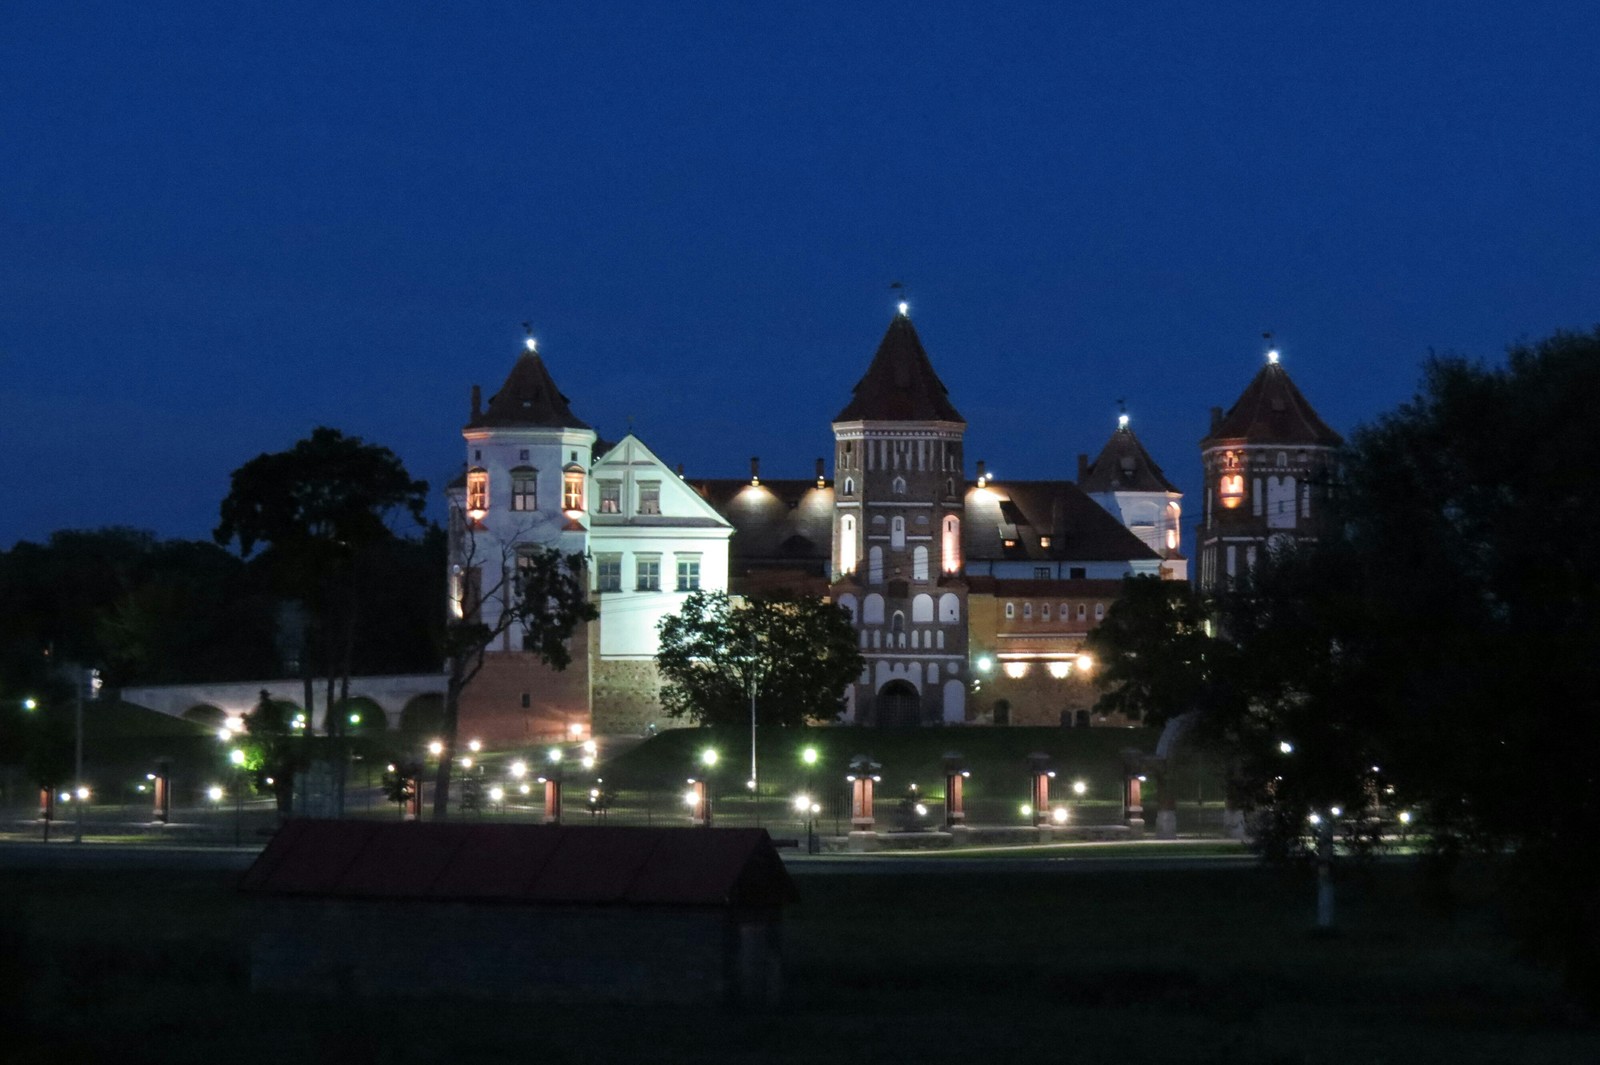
point(900, 385)
point(1271, 410)
point(526, 864)
point(528, 399)
point(1124, 466)
point(1025, 513)
point(632, 454)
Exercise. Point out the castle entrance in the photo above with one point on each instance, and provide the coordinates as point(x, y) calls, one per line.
point(898, 706)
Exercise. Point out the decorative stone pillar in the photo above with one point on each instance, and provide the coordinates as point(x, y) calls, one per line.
point(162, 788)
point(863, 775)
point(552, 798)
point(1039, 777)
point(955, 775)
point(1133, 800)
point(1166, 802)
point(700, 803)
point(47, 804)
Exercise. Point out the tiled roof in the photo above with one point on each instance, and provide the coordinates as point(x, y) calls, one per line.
point(1023, 512)
point(528, 399)
point(1125, 466)
point(1271, 410)
point(527, 864)
point(900, 385)
point(786, 523)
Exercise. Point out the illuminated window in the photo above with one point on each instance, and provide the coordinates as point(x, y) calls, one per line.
point(849, 486)
point(847, 543)
point(1231, 490)
point(611, 497)
point(689, 573)
point(647, 571)
point(951, 544)
point(524, 489)
point(608, 570)
point(1044, 541)
point(649, 497)
point(572, 490)
point(477, 493)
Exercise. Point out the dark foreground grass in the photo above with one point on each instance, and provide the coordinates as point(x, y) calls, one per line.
point(1161, 965)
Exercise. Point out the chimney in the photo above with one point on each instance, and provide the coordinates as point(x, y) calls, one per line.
point(822, 479)
point(1216, 418)
point(755, 469)
point(477, 401)
point(1083, 468)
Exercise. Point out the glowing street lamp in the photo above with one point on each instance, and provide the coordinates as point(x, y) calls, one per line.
point(436, 748)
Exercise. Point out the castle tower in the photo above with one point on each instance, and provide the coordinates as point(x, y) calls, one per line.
point(525, 490)
point(897, 564)
point(1269, 465)
point(1128, 484)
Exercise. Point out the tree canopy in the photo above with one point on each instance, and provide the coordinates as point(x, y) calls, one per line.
point(1441, 641)
point(1152, 652)
point(797, 655)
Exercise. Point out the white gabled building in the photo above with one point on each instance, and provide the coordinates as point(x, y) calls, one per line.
point(653, 540)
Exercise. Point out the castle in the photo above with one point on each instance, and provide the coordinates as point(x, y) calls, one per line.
point(971, 596)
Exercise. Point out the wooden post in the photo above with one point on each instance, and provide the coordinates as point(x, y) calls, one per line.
point(863, 775)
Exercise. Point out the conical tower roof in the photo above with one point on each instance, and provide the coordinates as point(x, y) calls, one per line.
point(1124, 466)
point(529, 399)
point(1271, 410)
point(900, 385)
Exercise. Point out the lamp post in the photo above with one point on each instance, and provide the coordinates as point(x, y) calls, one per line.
point(236, 757)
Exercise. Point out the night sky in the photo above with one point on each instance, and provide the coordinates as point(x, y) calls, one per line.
point(224, 224)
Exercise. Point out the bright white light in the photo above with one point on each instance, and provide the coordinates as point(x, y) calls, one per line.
point(708, 757)
point(1026, 810)
point(526, 788)
point(555, 754)
point(236, 756)
point(519, 769)
point(1016, 670)
point(66, 796)
point(149, 776)
point(1085, 663)
point(474, 746)
point(1122, 421)
point(1272, 356)
point(1335, 811)
point(224, 735)
point(466, 762)
point(1285, 747)
point(214, 793)
point(235, 724)
point(1079, 787)
point(497, 793)
point(436, 748)
point(83, 794)
point(531, 344)
point(750, 784)
point(809, 756)
point(1059, 815)
point(575, 729)
point(905, 309)
point(691, 798)
point(587, 763)
point(591, 746)
point(1405, 817)
point(1059, 670)
point(1314, 819)
point(802, 803)
point(922, 811)
point(985, 663)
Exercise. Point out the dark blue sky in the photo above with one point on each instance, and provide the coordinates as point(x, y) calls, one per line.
point(224, 224)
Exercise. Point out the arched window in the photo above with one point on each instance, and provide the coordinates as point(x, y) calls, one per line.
point(919, 563)
point(849, 486)
point(875, 565)
point(477, 493)
point(524, 488)
point(872, 610)
point(899, 486)
point(897, 533)
point(922, 609)
point(572, 490)
point(897, 623)
point(847, 543)
point(950, 554)
point(949, 609)
point(847, 603)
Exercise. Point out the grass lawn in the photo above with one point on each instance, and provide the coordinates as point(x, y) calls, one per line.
point(1125, 966)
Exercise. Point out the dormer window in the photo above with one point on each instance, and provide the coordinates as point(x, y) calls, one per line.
point(572, 490)
point(524, 488)
point(477, 493)
point(610, 497)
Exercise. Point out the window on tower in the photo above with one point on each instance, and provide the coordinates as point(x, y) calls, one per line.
point(477, 493)
point(524, 488)
point(899, 486)
point(1231, 490)
point(572, 490)
point(950, 544)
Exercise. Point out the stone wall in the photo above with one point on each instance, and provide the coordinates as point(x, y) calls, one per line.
point(516, 699)
point(627, 698)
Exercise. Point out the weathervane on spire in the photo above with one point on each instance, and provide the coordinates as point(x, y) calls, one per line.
point(1122, 414)
point(905, 307)
point(530, 343)
point(1272, 352)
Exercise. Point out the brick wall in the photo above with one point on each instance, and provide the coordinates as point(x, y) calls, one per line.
point(492, 706)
